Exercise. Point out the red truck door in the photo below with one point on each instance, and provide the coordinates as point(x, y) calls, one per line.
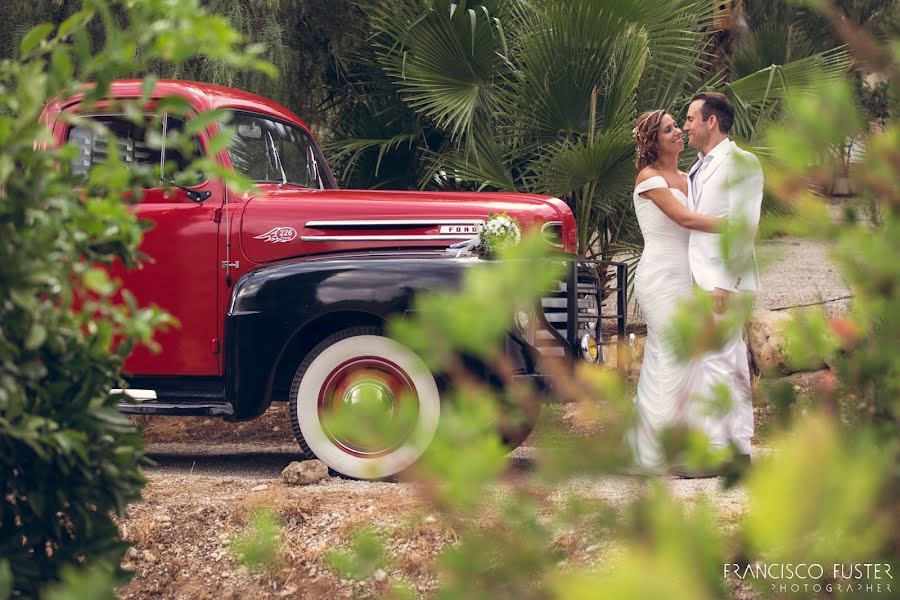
point(181, 274)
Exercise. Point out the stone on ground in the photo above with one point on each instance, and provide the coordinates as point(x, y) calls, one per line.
point(304, 472)
point(766, 341)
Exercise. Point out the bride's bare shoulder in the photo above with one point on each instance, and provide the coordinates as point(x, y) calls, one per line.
point(645, 174)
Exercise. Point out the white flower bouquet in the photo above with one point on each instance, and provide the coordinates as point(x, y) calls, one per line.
point(499, 232)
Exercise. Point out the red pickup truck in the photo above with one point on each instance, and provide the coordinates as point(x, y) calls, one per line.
point(282, 294)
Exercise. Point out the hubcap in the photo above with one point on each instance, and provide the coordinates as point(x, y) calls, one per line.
point(368, 406)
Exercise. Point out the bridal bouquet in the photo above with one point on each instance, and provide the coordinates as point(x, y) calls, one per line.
point(500, 231)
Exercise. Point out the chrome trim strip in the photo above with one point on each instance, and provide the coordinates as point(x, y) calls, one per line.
point(136, 394)
point(384, 222)
point(382, 238)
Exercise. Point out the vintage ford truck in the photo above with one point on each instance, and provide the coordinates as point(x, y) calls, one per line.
point(283, 294)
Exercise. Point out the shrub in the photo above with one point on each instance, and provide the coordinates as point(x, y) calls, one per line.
point(68, 460)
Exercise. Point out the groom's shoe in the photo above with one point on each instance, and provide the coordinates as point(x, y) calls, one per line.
point(740, 463)
point(684, 472)
point(731, 470)
point(735, 470)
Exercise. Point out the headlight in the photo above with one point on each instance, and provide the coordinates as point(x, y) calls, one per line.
point(552, 233)
point(525, 321)
point(591, 350)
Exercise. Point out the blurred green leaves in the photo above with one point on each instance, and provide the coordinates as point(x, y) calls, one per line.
point(825, 492)
point(260, 545)
point(478, 317)
point(365, 555)
point(69, 461)
point(670, 552)
point(817, 498)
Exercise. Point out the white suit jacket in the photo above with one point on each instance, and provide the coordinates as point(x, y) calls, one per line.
point(731, 187)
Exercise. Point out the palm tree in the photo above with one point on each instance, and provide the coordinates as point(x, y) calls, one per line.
point(776, 32)
point(304, 39)
point(540, 96)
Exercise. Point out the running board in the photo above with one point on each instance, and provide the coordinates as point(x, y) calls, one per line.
point(181, 409)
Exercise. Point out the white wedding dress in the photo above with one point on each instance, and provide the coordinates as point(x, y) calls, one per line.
point(662, 279)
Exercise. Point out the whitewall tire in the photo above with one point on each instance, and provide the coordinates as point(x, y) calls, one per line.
point(361, 363)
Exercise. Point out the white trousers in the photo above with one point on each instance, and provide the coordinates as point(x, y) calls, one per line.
point(729, 367)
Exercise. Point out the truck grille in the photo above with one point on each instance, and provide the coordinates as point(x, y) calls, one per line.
point(597, 287)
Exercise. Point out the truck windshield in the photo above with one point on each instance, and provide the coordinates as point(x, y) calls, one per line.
point(270, 151)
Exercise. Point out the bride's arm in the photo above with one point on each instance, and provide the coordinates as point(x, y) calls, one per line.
point(682, 215)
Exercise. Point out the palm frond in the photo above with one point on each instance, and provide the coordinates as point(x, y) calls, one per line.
point(348, 152)
point(444, 57)
point(487, 168)
point(755, 96)
point(566, 166)
point(629, 56)
point(561, 55)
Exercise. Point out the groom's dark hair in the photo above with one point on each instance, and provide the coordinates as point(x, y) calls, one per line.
point(717, 104)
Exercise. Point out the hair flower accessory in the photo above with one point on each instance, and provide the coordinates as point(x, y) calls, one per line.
point(499, 232)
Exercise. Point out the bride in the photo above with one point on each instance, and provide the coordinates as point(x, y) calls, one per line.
point(662, 279)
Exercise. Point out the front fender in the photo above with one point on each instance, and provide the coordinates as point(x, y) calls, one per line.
point(271, 304)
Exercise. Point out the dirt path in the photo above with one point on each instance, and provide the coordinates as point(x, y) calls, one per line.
point(211, 476)
point(201, 496)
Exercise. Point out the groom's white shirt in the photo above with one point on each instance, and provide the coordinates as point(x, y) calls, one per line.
point(730, 185)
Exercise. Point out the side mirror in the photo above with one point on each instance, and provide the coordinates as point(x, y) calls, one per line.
point(250, 130)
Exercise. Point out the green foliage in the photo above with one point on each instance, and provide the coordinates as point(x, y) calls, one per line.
point(260, 545)
point(82, 584)
point(825, 494)
point(307, 42)
point(538, 97)
point(69, 461)
point(365, 556)
point(835, 483)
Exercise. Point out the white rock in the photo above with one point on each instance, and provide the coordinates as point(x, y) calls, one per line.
point(430, 519)
point(766, 341)
point(592, 548)
point(380, 575)
point(304, 472)
point(260, 488)
point(132, 553)
point(149, 557)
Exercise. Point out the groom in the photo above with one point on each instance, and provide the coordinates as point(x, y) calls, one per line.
point(726, 182)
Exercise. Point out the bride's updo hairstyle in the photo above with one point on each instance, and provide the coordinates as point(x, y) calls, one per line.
point(646, 134)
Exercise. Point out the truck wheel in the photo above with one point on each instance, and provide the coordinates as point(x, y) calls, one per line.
point(343, 380)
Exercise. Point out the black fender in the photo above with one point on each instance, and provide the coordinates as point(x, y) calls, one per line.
point(270, 305)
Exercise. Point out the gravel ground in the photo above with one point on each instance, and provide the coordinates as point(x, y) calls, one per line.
point(793, 271)
point(799, 271)
point(200, 493)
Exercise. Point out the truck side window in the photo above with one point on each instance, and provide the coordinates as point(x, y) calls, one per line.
point(131, 140)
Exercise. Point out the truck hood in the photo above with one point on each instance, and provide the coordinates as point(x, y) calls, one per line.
point(289, 222)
